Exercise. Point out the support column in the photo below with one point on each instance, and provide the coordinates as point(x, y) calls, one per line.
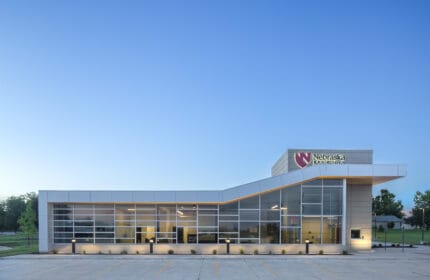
point(344, 212)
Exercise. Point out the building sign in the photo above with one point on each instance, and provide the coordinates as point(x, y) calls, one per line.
point(304, 159)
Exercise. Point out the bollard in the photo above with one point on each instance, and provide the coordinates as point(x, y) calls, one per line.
point(227, 241)
point(73, 246)
point(307, 246)
point(151, 246)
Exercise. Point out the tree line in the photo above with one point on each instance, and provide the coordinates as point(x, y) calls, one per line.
point(20, 213)
point(385, 204)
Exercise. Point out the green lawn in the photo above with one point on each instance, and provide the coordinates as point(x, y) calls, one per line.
point(412, 236)
point(19, 245)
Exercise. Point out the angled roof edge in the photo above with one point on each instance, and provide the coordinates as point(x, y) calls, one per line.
point(369, 173)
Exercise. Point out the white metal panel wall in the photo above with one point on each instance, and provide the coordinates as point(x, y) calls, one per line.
point(43, 222)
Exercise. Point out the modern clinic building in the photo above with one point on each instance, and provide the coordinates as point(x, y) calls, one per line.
point(320, 196)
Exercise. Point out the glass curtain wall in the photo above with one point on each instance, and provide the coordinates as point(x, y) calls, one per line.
point(311, 211)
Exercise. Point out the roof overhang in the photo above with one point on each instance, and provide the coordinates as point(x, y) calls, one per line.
point(357, 174)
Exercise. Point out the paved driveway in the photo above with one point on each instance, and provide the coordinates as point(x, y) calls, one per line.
point(380, 264)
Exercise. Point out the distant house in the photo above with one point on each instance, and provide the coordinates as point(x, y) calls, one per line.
point(383, 221)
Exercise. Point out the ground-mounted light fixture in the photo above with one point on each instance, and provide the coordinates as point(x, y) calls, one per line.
point(227, 241)
point(307, 246)
point(73, 246)
point(151, 246)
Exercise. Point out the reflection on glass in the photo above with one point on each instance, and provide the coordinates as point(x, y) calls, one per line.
point(332, 229)
point(229, 208)
point(250, 203)
point(270, 201)
point(269, 233)
point(290, 204)
point(249, 230)
point(290, 235)
point(261, 218)
point(332, 201)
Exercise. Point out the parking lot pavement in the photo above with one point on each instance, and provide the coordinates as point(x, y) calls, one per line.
point(378, 264)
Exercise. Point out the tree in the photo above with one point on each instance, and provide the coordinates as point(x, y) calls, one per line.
point(421, 201)
point(32, 200)
point(15, 205)
point(2, 215)
point(27, 221)
point(386, 204)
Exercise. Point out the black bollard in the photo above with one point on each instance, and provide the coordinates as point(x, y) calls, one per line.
point(73, 246)
point(151, 246)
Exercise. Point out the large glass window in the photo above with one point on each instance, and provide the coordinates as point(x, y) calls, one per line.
point(332, 201)
point(311, 227)
point(311, 194)
point(291, 200)
point(229, 208)
point(332, 230)
point(187, 234)
point(250, 203)
point(249, 230)
point(290, 235)
point(310, 211)
point(207, 223)
point(269, 232)
point(270, 206)
point(249, 215)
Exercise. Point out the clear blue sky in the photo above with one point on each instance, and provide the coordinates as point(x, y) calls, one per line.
point(207, 94)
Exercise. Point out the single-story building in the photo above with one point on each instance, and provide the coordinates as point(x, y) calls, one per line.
point(321, 197)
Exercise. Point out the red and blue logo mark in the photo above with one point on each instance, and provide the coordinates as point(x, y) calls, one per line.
point(302, 159)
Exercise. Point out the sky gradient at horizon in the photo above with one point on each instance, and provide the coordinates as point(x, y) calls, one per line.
point(207, 95)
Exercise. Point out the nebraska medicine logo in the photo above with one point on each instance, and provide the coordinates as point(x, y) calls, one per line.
point(304, 159)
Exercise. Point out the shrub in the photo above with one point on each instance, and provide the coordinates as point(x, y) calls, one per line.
point(393, 245)
point(283, 252)
point(380, 245)
point(137, 252)
point(124, 252)
point(300, 253)
point(397, 245)
point(321, 252)
point(390, 225)
point(344, 252)
point(255, 252)
point(270, 252)
point(214, 252)
point(381, 228)
point(410, 245)
point(100, 253)
point(170, 252)
point(84, 252)
point(54, 251)
point(241, 251)
point(193, 251)
point(110, 252)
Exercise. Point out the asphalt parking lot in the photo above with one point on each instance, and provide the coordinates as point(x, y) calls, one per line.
point(379, 264)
